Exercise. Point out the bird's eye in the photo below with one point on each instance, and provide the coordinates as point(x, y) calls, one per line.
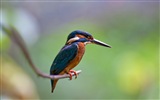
point(90, 38)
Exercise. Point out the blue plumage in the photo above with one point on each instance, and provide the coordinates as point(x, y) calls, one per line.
point(63, 58)
point(78, 32)
point(71, 54)
point(66, 54)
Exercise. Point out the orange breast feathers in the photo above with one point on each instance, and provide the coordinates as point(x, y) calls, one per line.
point(77, 59)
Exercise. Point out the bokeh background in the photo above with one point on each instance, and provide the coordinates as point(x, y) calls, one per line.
point(129, 70)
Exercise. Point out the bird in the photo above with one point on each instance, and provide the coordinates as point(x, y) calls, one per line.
point(71, 54)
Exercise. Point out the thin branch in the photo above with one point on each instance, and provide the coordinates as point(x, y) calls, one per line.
point(15, 36)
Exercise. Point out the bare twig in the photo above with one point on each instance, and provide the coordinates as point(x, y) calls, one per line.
point(15, 36)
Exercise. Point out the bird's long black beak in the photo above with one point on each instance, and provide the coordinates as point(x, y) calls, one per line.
point(95, 41)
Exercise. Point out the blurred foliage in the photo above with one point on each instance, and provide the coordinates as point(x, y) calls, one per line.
point(129, 70)
point(15, 83)
point(4, 43)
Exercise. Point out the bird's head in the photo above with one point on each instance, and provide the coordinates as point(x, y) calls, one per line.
point(85, 37)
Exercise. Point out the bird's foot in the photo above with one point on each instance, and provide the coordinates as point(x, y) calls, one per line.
point(70, 74)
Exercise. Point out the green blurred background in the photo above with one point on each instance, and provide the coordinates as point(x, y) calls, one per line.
point(129, 70)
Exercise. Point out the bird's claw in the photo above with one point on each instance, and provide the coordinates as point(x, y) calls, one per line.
point(70, 74)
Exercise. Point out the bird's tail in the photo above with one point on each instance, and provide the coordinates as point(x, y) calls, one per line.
point(53, 84)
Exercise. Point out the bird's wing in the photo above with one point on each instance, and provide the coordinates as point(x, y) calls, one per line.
point(63, 58)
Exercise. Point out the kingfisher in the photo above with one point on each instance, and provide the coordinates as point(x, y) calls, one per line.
point(71, 54)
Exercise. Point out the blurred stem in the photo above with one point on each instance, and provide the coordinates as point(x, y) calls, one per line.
point(15, 36)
